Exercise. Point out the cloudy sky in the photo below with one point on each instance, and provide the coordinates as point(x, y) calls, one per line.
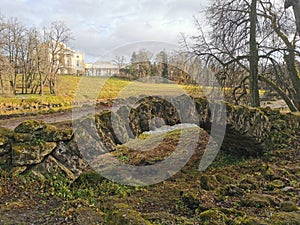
point(99, 26)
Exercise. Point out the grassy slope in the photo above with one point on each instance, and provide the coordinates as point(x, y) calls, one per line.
point(231, 191)
point(73, 88)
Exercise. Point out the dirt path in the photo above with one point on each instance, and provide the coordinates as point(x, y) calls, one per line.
point(11, 123)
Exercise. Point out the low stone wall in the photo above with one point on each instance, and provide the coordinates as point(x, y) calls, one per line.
point(41, 149)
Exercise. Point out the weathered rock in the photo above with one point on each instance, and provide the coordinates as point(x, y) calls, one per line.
point(105, 130)
point(277, 184)
point(232, 190)
point(124, 112)
point(51, 133)
point(286, 218)
point(204, 112)
point(223, 179)
point(248, 221)
point(3, 140)
point(288, 206)
point(94, 130)
point(5, 135)
point(190, 200)
point(186, 109)
point(28, 153)
point(259, 200)
point(208, 182)
point(288, 189)
point(134, 123)
point(4, 150)
point(156, 122)
point(23, 137)
point(250, 125)
point(249, 132)
point(69, 158)
point(5, 159)
point(29, 126)
point(213, 217)
point(14, 171)
point(149, 108)
point(118, 129)
point(248, 183)
point(123, 214)
point(86, 146)
point(51, 166)
point(283, 128)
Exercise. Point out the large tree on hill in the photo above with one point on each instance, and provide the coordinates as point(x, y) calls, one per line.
point(251, 40)
point(55, 38)
point(13, 37)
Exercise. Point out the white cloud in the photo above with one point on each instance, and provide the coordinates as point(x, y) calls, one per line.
point(101, 25)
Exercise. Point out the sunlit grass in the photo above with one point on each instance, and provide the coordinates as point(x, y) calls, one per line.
point(72, 89)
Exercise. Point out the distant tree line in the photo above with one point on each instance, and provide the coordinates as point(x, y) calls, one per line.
point(30, 58)
point(176, 67)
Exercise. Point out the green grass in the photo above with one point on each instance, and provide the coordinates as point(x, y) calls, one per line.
point(82, 89)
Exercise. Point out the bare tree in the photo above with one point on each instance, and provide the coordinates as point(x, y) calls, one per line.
point(2, 58)
point(55, 38)
point(13, 36)
point(34, 58)
point(119, 61)
point(232, 45)
point(296, 8)
point(28, 53)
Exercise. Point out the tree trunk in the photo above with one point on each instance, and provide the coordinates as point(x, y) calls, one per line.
point(293, 74)
point(1, 84)
point(41, 85)
point(253, 59)
point(282, 94)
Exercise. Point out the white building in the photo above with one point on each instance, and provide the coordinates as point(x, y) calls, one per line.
point(73, 63)
point(101, 68)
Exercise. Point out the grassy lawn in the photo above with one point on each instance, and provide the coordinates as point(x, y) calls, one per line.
point(81, 89)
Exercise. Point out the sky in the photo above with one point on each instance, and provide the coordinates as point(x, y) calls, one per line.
point(100, 26)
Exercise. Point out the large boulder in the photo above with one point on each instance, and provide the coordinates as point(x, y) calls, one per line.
point(25, 154)
point(149, 109)
point(51, 166)
point(123, 112)
point(30, 126)
point(52, 133)
point(186, 109)
point(70, 159)
point(246, 130)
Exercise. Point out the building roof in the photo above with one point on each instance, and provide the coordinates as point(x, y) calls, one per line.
point(104, 65)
